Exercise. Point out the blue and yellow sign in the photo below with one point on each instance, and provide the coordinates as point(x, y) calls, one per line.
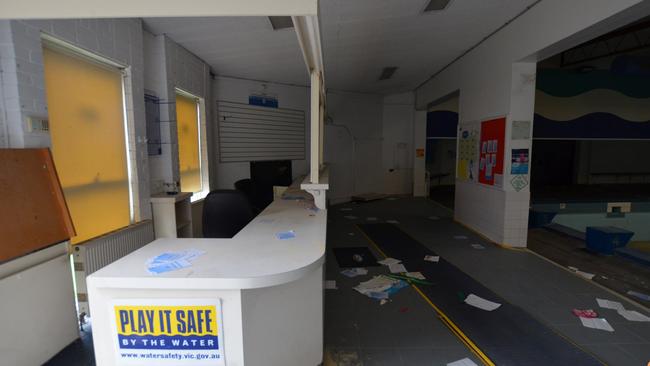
point(168, 332)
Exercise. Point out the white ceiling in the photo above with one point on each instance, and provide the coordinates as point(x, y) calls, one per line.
point(245, 47)
point(360, 38)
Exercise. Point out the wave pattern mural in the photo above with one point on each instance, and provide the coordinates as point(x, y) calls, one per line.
point(595, 105)
point(593, 101)
point(599, 104)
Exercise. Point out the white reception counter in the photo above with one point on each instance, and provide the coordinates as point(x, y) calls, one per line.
point(250, 300)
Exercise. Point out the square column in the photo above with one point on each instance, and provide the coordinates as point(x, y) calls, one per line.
point(493, 158)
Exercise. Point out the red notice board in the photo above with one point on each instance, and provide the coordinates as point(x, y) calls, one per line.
point(492, 149)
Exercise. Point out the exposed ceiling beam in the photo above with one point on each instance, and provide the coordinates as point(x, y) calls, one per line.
point(64, 9)
point(620, 41)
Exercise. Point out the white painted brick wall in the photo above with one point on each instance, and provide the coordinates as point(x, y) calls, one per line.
point(116, 39)
point(170, 66)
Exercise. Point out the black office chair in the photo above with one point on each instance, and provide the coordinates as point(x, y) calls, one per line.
point(225, 213)
point(248, 187)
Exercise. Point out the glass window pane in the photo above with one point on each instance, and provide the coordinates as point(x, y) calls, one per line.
point(88, 142)
point(187, 124)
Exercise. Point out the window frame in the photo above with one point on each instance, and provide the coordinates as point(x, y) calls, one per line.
point(202, 143)
point(58, 45)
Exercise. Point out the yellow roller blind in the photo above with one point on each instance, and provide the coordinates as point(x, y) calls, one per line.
point(88, 141)
point(187, 124)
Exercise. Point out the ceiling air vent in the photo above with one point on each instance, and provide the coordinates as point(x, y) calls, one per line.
point(281, 22)
point(436, 5)
point(387, 72)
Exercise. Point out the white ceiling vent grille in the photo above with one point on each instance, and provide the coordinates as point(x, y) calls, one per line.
point(436, 5)
point(281, 22)
point(387, 72)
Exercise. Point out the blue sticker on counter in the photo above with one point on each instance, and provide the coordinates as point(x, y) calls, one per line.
point(171, 261)
point(284, 235)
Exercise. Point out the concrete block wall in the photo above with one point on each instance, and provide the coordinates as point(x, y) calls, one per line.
point(188, 72)
point(170, 66)
point(6, 62)
point(23, 86)
point(23, 94)
point(12, 131)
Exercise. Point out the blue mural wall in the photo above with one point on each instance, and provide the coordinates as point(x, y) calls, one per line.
point(569, 104)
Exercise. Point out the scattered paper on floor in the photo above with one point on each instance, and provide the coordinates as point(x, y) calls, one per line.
point(342, 358)
point(371, 219)
point(639, 295)
point(346, 209)
point(388, 261)
point(392, 221)
point(354, 272)
point(460, 237)
point(463, 362)
point(586, 275)
point(396, 268)
point(633, 316)
point(580, 273)
point(478, 246)
point(351, 234)
point(597, 323)
point(417, 275)
point(481, 303)
point(432, 258)
point(350, 217)
point(586, 313)
point(380, 287)
point(330, 285)
point(607, 304)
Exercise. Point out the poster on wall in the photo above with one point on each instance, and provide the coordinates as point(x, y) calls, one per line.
point(179, 332)
point(492, 145)
point(519, 163)
point(468, 139)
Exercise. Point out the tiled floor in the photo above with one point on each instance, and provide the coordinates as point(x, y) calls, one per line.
point(546, 291)
point(406, 331)
point(612, 271)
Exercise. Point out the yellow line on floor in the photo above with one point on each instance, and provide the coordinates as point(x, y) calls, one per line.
point(443, 317)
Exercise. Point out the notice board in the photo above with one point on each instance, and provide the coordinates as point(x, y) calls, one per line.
point(33, 213)
point(492, 146)
point(468, 146)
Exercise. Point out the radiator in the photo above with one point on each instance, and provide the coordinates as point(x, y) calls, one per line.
point(104, 250)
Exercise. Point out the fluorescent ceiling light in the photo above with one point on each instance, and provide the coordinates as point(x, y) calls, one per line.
point(387, 72)
point(436, 5)
point(281, 22)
